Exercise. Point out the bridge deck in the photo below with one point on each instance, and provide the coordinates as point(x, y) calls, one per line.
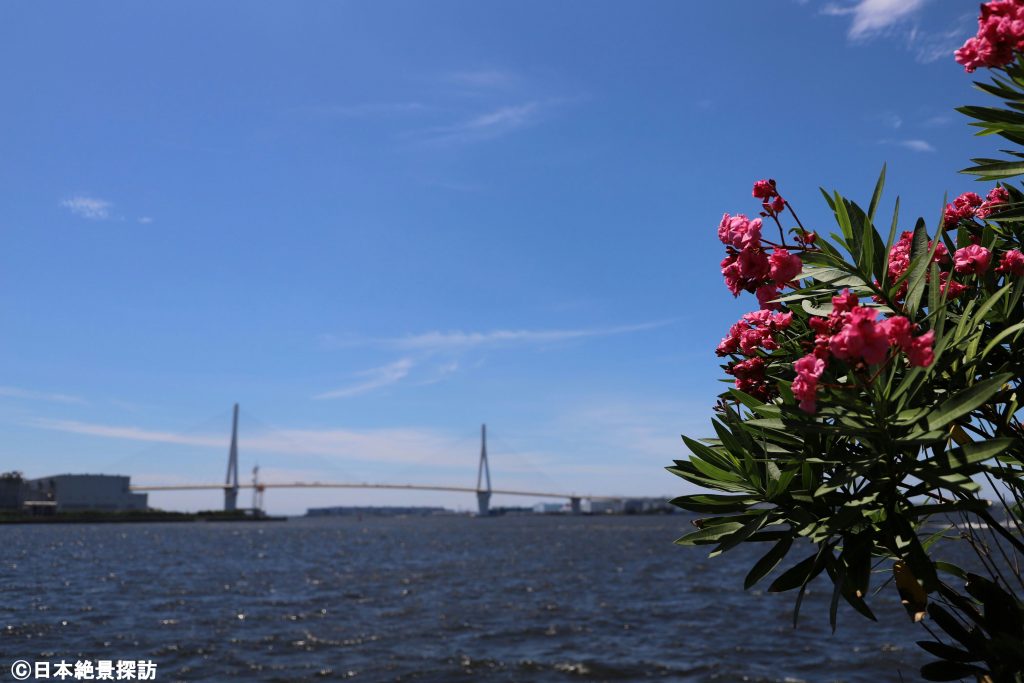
point(345, 485)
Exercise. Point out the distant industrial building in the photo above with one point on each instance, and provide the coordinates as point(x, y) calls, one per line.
point(12, 492)
point(649, 506)
point(603, 507)
point(108, 492)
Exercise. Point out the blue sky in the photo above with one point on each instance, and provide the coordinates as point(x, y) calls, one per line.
point(377, 225)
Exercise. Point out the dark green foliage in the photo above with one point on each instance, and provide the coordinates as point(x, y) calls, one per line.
point(895, 455)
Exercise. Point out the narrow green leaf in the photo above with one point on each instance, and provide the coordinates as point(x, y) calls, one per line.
point(768, 562)
point(966, 401)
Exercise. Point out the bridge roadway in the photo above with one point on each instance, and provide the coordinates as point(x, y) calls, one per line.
point(342, 485)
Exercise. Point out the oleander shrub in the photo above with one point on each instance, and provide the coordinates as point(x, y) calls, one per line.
point(876, 402)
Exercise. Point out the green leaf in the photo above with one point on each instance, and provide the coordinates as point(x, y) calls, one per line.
point(969, 454)
point(710, 534)
point(768, 562)
point(715, 503)
point(995, 171)
point(966, 401)
point(919, 258)
point(797, 575)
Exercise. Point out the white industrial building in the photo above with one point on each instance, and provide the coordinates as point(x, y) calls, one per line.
point(85, 492)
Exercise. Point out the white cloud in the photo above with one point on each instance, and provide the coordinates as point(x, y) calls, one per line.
point(916, 145)
point(145, 220)
point(874, 16)
point(376, 378)
point(897, 18)
point(394, 445)
point(888, 119)
point(451, 346)
point(92, 208)
point(938, 121)
point(15, 392)
point(931, 46)
point(487, 126)
point(457, 340)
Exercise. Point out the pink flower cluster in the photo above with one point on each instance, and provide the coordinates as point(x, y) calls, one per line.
point(1000, 32)
point(771, 200)
point(972, 259)
point(805, 385)
point(748, 265)
point(899, 259)
point(1012, 263)
point(754, 331)
point(970, 205)
point(854, 334)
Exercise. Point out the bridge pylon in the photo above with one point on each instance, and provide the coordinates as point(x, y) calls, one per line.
point(231, 480)
point(483, 495)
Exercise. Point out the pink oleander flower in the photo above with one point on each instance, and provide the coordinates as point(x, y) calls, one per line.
point(746, 270)
point(769, 320)
point(1012, 263)
point(755, 330)
point(784, 266)
point(805, 386)
point(920, 351)
point(731, 343)
point(749, 369)
point(899, 255)
point(861, 338)
point(1000, 32)
point(765, 295)
point(764, 189)
point(964, 206)
point(899, 259)
point(949, 287)
point(996, 197)
point(731, 273)
point(972, 259)
point(776, 205)
point(739, 231)
point(844, 301)
point(897, 329)
point(754, 264)
point(750, 377)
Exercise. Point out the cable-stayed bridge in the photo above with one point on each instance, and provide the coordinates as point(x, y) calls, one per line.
point(483, 489)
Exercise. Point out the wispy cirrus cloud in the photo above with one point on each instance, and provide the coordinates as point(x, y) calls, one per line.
point(888, 119)
point(91, 208)
point(376, 378)
point(17, 392)
point(914, 145)
point(432, 357)
point(398, 445)
point(901, 19)
point(870, 17)
point(465, 340)
point(458, 340)
point(487, 126)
